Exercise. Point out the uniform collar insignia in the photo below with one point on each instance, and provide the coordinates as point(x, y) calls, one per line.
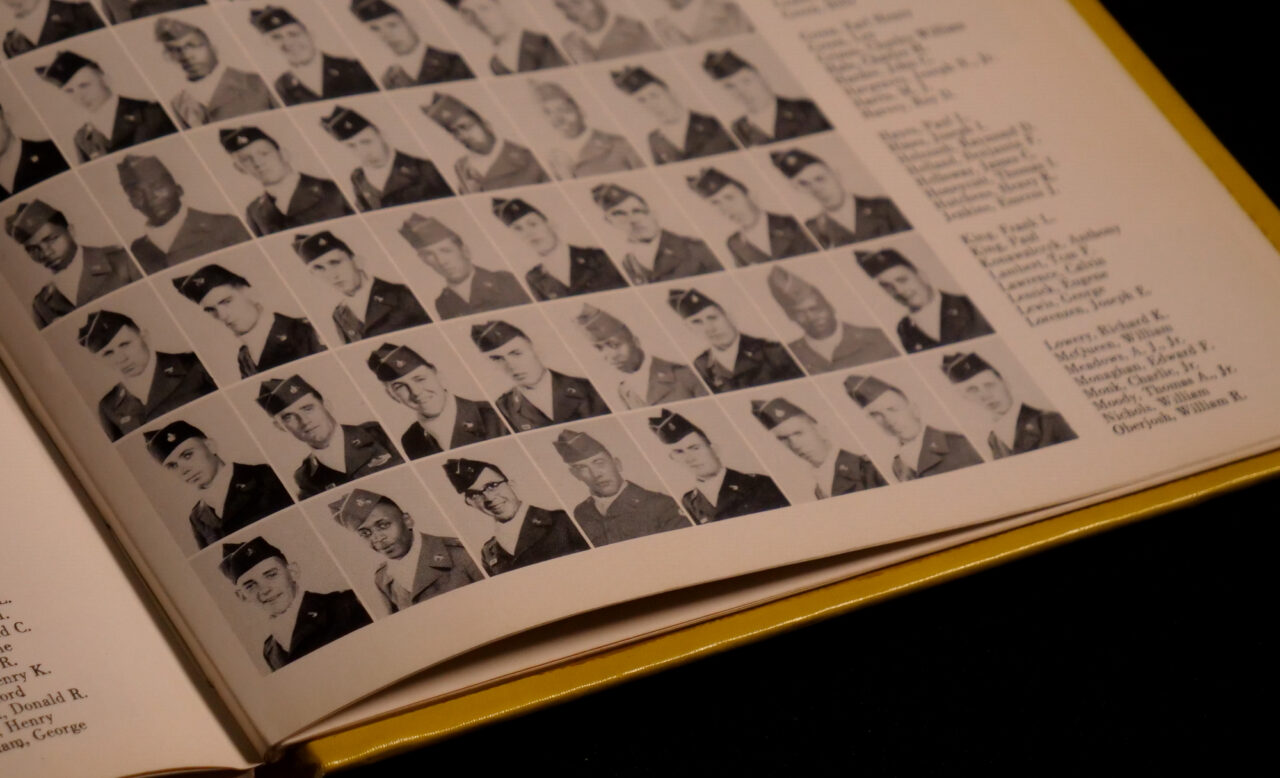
point(377, 298)
point(570, 390)
point(126, 419)
point(35, 157)
point(526, 427)
point(168, 370)
point(313, 614)
point(468, 425)
point(437, 558)
point(282, 338)
point(380, 459)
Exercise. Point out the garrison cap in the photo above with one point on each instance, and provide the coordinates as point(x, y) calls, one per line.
point(632, 80)
point(599, 325)
point(790, 289)
point(274, 395)
point(862, 389)
point(672, 427)
point(962, 367)
point(101, 327)
point(513, 210)
point(352, 510)
point(464, 472)
point(368, 10)
point(687, 302)
point(773, 412)
point(876, 262)
point(722, 64)
point(272, 17)
point(576, 446)
point(312, 247)
point(197, 286)
point(344, 123)
point(422, 231)
point(609, 195)
point(793, 161)
point(709, 181)
point(492, 334)
point(390, 362)
point(28, 219)
point(65, 65)
point(162, 442)
point(238, 138)
point(240, 558)
point(135, 170)
point(444, 110)
point(168, 29)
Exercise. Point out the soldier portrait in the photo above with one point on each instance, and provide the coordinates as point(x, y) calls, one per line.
point(442, 419)
point(310, 74)
point(469, 288)
point(523, 534)
point(653, 253)
point(226, 497)
point(36, 23)
point(934, 317)
point(338, 453)
point(767, 116)
point(512, 48)
point(370, 306)
point(828, 343)
point(151, 383)
point(119, 11)
point(540, 396)
point(174, 231)
point(1013, 427)
point(290, 198)
point(646, 379)
point(416, 566)
point(921, 449)
point(835, 471)
point(490, 162)
point(719, 492)
point(599, 32)
point(413, 60)
point(560, 269)
point(266, 338)
point(213, 90)
point(299, 621)
point(678, 133)
point(682, 22)
point(733, 359)
point(578, 149)
point(78, 274)
point(25, 162)
point(760, 236)
point(845, 217)
point(383, 176)
point(111, 121)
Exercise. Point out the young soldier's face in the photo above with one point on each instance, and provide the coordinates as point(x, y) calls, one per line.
point(633, 217)
point(750, 87)
point(802, 436)
point(988, 390)
point(472, 133)
point(493, 495)
point(536, 231)
point(88, 87)
point(263, 161)
point(395, 32)
point(564, 116)
point(388, 530)
point(420, 391)
point(896, 415)
point(822, 184)
point(194, 54)
point(308, 420)
point(369, 147)
point(590, 15)
point(602, 474)
point(814, 315)
point(657, 99)
point(271, 584)
point(487, 16)
point(621, 352)
point(127, 353)
point(194, 461)
point(714, 325)
point(695, 452)
point(518, 360)
point(52, 246)
point(906, 287)
point(450, 258)
point(159, 199)
point(294, 42)
point(736, 205)
point(338, 269)
point(234, 306)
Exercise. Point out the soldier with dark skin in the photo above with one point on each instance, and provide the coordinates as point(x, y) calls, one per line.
point(1013, 427)
point(922, 450)
point(647, 379)
point(601, 33)
point(845, 217)
point(214, 91)
point(39, 23)
point(654, 253)
point(733, 360)
point(835, 471)
point(680, 134)
point(290, 198)
point(384, 176)
point(761, 236)
point(312, 74)
point(515, 50)
point(582, 150)
point(417, 62)
point(934, 318)
point(469, 288)
point(562, 270)
point(769, 117)
point(490, 162)
point(25, 162)
point(828, 343)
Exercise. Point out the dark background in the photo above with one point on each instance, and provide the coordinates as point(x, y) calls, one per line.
point(1143, 649)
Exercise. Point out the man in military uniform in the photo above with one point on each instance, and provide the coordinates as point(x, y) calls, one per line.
point(38, 23)
point(416, 566)
point(562, 270)
point(312, 74)
point(443, 419)
point(655, 254)
point(515, 50)
point(152, 383)
point(646, 379)
point(1009, 433)
point(81, 274)
point(719, 492)
point(695, 21)
point(541, 396)
point(228, 498)
point(214, 92)
point(680, 133)
point(119, 11)
point(585, 151)
point(301, 621)
point(488, 164)
point(934, 318)
point(417, 62)
point(175, 232)
point(845, 218)
point(922, 450)
point(602, 33)
point(112, 122)
point(769, 117)
point(371, 306)
point(835, 472)
point(761, 236)
point(469, 288)
point(339, 453)
point(384, 176)
point(523, 534)
point(307, 199)
point(733, 360)
point(615, 508)
point(265, 341)
point(828, 343)
point(25, 163)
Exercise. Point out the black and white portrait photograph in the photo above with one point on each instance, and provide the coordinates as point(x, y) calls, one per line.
point(403, 44)
point(501, 36)
point(595, 30)
point(32, 24)
point(486, 151)
point(27, 154)
point(686, 22)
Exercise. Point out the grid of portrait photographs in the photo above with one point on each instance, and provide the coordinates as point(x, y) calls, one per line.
point(382, 298)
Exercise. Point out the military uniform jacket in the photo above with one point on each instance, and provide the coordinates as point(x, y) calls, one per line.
point(794, 118)
point(490, 290)
point(634, 513)
point(136, 121)
point(126, 10)
point(437, 67)
point(200, 233)
point(106, 269)
point(961, 320)
point(786, 239)
point(322, 619)
point(342, 77)
point(876, 217)
point(545, 535)
point(38, 160)
point(740, 494)
point(315, 200)
point(668, 382)
point(255, 493)
point(179, 379)
point(857, 346)
point(589, 271)
point(391, 307)
point(367, 449)
point(443, 565)
point(705, 136)
point(759, 362)
point(474, 422)
point(605, 152)
point(238, 93)
point(412, 180)
point(942, 452)
point(63, 21)
point(572, 398)
point(624, 38)
point(288, 339)
point(678, 256)
point(536, 52)
point(515, 166)
point(1036, 429)
point(854, 473)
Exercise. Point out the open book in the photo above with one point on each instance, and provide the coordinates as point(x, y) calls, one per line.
point(379, 332)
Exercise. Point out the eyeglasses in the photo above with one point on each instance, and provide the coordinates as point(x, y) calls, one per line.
point(476, 495)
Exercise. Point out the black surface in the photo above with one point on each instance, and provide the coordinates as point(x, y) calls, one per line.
point(1144, 649)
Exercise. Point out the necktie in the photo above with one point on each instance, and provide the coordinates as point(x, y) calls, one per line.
point(274, 220)
point(190, 110)
point(371, 195)
point(247, 367)
point(901, 471)
point(498, 67)
point(998, 449)
point(16, 43)
point(635, 271)
point(630, 398)
point(819, 492)
point(91, 143)
point(397, 78)
point(702, 509)
point(348, 323)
